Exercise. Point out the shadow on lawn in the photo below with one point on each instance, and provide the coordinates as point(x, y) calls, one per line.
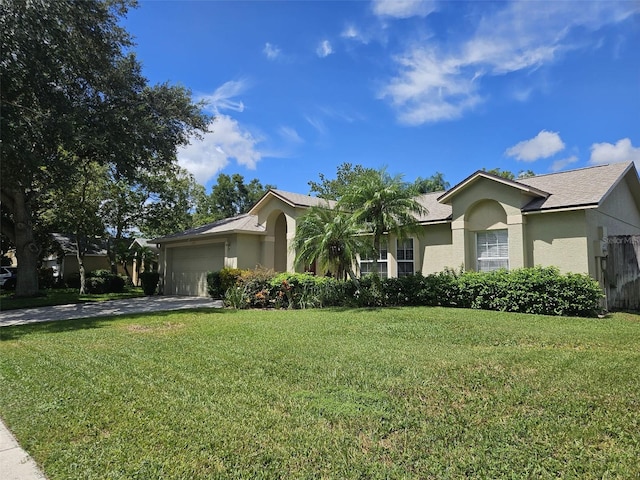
point(62, 326)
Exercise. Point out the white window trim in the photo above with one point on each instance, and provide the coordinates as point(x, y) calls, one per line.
point(381, 261)
point(412, 261)
point(477, 257)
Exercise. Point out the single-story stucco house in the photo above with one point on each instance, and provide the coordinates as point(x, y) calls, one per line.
point(64, 261)
point(484, 222)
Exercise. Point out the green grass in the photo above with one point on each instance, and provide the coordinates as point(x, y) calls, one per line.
point(61, 296)
point(393, 393)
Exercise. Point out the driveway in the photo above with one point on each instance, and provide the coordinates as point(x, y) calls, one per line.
point(104, 309)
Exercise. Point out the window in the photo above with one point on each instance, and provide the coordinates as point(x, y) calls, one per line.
point(405, 257)
point(492, 249)
point(367, 264)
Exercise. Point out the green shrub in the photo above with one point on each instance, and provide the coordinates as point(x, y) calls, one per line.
point(219, 282)
point(257, 286)
point(46, 278)
point(149, 282)
point(300, 290)
point(103, 281)
point(236, 297)
point(214, 285)
point(539, 290)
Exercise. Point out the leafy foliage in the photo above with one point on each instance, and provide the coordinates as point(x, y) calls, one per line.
point(73, 97)
point(330, 238)
point(381, 203)
point(435, 183)
point(540, 290)
point(149, 282)
point(229, 197)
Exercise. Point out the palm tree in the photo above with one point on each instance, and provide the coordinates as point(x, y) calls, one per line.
point(382, 204)
point(330, 238)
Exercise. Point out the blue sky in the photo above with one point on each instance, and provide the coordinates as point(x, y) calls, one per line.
point(300, 87)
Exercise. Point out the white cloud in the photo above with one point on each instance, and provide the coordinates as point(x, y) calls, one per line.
point(271, 51)
point(227, 140)
point(317, 123)
point(351, 32)
point(563, 163)
point(290, 134)
point(403, 8)
point(622, 151)
point(433, 83)
point(221, 99)
point(324, 49)
point(542, 145)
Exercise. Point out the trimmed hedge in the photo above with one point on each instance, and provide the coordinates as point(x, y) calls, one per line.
point(539, 290)
point(149, 282)
point(103, 281)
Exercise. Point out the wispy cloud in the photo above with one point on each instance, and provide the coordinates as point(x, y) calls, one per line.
point(563, 163)
point(290, 135)
point(317, 123)
point(434, 83)
point(622, 151)
point(324, 49)
point(350, 32)
point(271, 51)
point(543, 145)
point(403, 8)
point(223, 97)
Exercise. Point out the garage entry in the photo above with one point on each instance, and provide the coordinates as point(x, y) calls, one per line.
point(189, 267)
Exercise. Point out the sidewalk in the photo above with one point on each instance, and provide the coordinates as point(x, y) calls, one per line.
point(15, 463)
point(104, 309)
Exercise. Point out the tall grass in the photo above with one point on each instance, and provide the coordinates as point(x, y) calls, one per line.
point(391, 393)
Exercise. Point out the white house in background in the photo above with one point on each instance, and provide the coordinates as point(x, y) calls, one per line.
point(484, 222)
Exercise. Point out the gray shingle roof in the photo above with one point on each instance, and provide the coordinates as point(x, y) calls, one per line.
point(574, 188)
point(67, 243)
point(242, 223)
point(436, 211)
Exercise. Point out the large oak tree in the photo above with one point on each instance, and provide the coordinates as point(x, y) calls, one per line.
point(73, 94)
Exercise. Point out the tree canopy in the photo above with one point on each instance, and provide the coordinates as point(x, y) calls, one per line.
point(230, 196)
point(73, 95)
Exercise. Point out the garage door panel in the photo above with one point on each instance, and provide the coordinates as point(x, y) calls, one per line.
point(190, 265)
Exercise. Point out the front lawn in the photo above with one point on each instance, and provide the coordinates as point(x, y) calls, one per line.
point(61, 296)
point(390, 393)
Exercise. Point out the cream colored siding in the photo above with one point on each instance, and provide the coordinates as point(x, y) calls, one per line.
point(437, 249)
point(619, 213)
point(247, 251)
point(189, 267)
point(558, 239)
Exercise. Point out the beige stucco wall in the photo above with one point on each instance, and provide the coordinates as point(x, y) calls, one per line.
point(619, 213)
point(245, 251)
point(91, 263)
point(436, 249)
point(558, 239)
point(276, 248)
point(488, 205)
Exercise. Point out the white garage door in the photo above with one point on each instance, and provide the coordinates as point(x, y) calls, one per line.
point(190, 265)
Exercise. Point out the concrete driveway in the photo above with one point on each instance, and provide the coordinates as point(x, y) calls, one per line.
point(104, 309)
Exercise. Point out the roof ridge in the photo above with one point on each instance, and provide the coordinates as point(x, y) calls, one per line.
point(573, 170)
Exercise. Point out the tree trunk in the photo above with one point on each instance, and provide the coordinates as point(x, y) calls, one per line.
point(81, 271)
point(27, 251)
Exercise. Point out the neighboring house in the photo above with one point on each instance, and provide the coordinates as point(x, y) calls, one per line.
point(144, 258)
point(63, 259)
point(483, 223)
